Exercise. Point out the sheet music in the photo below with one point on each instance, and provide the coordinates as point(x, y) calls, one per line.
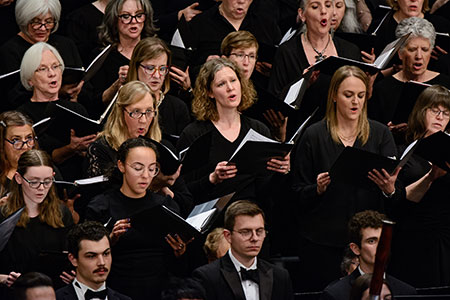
point(293, 92)
point(41, 122)
point(97, 57)
point(177, 41)
point(198, 221)
point(92, 180)
point(287, 36)
point(252, 135)
point(9, 74)
point(408, 149)
point(200, 208)
point(75, 113)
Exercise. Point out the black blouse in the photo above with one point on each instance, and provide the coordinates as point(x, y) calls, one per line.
point(324, 218)
point(422, 233)
point(387, 96)
point(140, 265)
point(221, 149)
point(26, 243)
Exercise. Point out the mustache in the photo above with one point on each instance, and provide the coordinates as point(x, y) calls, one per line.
point(102, 269)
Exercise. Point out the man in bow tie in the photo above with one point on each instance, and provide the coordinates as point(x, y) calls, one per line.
point(240, 274)
point(90, 253)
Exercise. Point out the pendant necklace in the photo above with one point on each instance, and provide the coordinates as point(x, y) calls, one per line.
point(319, 56)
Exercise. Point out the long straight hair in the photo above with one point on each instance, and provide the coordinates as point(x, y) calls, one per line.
point(363, 130)
point(115, 130)
point(49, 209)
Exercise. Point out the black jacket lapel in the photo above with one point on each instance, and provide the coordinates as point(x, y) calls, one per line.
point(265, 281)
point(232, 277)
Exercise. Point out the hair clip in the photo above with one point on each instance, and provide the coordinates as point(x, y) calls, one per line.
point(3, 123)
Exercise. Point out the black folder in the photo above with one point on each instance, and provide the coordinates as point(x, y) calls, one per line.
point(443, 40)
point(436, 149)
point(410, 92)
point(41, 126)
point(255, 151)
point(169, 222)
point(53, 263)
point(66, 118)
point(69, 119)
point(353, 165)
point(332, 63)
point(7, 227)
point(197, 154)
point(73, 75)
point(292, 97)
point(364, 41)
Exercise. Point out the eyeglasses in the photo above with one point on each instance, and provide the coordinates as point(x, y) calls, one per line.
point(242, 56)
point(18, 144)
point(36, 25)
point(45, 69)
point(127, 18)
point(248, 233)
point(436, 112)
point(153, 169)
point(36, 184)
point(151, 70)
point(135, 114)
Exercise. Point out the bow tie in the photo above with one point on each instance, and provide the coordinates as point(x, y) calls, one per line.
point(95, 295)
point(250, 275)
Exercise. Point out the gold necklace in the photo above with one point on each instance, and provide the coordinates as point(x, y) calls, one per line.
point(347, 138)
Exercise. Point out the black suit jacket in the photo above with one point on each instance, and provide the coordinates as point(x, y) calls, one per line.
point(221, 281)
point(68, 293)
point(340, 290)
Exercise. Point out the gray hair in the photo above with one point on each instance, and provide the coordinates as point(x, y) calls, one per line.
point(32, 59)
point(27, 10)
point(108, 31)
point(419, 28)
point(350, 22)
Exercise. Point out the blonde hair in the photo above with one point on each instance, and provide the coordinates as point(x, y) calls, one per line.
point(339, 76)
point(49, 209)
point(203, 106)
point(115, 130)
point(212, 243)
point(146, 49)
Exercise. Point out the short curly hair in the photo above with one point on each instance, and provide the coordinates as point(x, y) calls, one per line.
point(361, 220)
point(203, 107)
point(419, 28)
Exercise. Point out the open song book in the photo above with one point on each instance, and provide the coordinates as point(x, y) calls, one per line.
point(169, 222)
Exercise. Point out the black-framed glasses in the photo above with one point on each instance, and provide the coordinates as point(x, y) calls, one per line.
point(151, 70)
point(436, 112)
point(135, 114)
point(46, 69)
point(36, 25)
point(248, 233)
point(18, 144)
point(35, 184)
point(139, 168)
point(127, 18)
point(242, 56)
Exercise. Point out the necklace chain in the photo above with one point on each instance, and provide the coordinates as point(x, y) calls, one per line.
point(319, 55)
